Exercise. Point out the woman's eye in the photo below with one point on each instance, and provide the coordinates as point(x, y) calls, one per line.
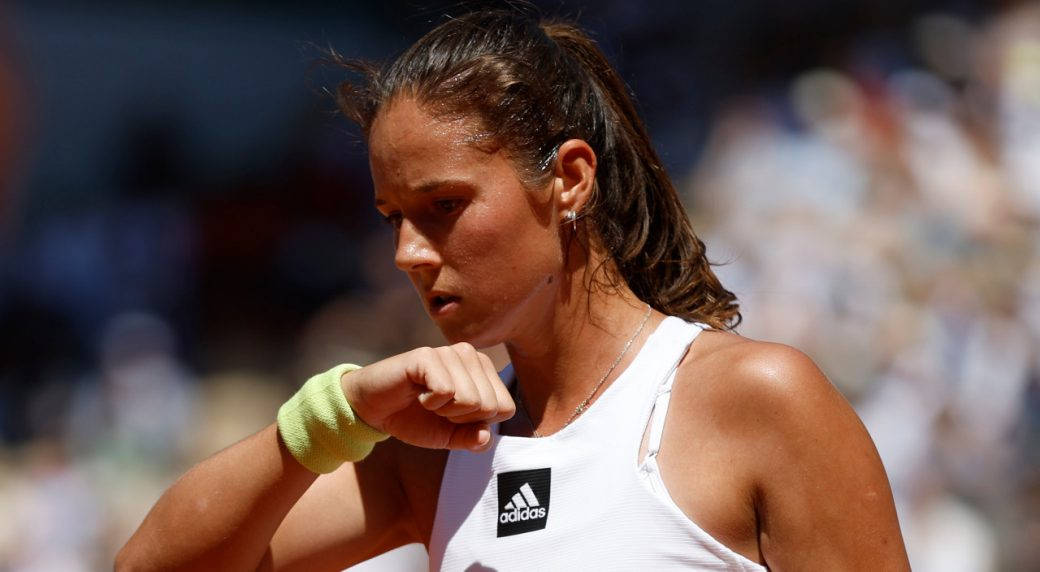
point(447, 206)
point(393, 219)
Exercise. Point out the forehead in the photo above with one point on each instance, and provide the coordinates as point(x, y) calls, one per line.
point(408, 146)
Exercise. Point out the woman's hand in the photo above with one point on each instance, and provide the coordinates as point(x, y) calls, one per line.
point(438, 398)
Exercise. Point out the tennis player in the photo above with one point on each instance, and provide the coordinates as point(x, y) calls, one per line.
point(633, 429)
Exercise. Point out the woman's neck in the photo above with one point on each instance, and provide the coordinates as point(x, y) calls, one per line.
point(563, 358)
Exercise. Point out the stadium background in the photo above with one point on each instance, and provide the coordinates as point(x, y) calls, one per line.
point(186, 233)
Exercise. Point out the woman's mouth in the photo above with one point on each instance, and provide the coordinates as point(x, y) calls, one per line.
point(442, 303)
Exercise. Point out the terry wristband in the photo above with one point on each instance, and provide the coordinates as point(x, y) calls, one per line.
point(320, 428)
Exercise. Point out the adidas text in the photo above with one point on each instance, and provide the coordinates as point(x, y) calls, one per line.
point(519, 515)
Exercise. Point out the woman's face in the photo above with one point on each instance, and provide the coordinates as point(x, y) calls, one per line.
point(482, 250)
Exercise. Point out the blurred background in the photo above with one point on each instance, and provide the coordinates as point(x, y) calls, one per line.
point(186, 233)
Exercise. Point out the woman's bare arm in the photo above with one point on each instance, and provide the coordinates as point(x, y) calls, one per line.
point(764, 454)
point(353, 514)
point(824, 501)
point(224, 512)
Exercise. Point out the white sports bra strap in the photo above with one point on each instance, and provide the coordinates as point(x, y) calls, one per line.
point(659, 411)
point(664, 395)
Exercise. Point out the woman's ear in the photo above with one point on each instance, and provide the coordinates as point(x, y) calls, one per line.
point(575, 174)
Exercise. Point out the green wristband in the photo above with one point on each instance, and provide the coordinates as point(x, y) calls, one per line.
point(320, 428)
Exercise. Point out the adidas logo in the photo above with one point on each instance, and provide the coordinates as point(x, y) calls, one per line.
point(524, 506)
point(523, 501)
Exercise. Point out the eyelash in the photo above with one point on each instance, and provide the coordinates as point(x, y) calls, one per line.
point(448, 206)
point(444, 206)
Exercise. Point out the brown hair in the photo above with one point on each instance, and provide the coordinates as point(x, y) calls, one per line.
point(534, 85)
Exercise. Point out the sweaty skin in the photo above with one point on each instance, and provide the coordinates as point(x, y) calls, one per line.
point(759, 449)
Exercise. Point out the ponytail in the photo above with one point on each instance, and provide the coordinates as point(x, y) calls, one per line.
point(637, 211)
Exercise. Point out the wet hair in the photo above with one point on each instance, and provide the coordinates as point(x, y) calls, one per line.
point(533, 85)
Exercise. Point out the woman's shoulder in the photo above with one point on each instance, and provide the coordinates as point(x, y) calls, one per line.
point(763, 384)
point(774, 425)
point(753, 365)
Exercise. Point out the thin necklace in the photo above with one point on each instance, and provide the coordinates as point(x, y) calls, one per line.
point(585, 402)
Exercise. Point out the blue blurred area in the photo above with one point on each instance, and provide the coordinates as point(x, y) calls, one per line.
point(186, 232)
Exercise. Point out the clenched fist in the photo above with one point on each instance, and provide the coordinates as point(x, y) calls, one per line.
point(438, 398)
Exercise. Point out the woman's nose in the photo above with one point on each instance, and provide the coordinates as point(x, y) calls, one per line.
point(414, 250)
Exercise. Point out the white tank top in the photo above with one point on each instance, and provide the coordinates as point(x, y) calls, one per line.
point(579, 499)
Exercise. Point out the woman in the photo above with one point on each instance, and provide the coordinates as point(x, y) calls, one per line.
point(530, 209)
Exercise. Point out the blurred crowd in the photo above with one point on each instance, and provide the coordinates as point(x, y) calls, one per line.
point(886, 222)
point(882, 214)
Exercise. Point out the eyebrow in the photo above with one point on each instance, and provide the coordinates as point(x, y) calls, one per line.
point(431, 186)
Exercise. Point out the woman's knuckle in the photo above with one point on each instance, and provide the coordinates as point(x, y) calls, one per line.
point(487, 408)
point(424, 352)
point(444, 389)
point(464, 347)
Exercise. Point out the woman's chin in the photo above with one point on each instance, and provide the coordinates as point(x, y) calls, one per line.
point(472, 333)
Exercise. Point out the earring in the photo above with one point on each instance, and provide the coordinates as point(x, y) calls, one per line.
point(572, 217)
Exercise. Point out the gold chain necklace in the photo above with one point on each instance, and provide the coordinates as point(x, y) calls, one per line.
point(585, 402)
